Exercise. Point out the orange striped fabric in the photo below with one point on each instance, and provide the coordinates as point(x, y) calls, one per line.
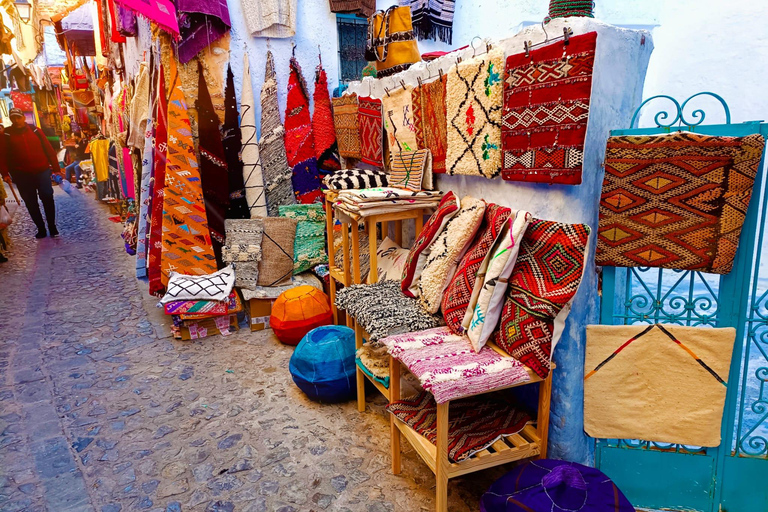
point(409, 170)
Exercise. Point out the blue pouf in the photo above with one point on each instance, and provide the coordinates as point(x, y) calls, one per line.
point(323, 364)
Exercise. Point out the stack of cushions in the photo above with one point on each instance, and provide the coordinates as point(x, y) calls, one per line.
point(417, 257)
point(297, 311)
point(323, 364)
point(556, 486)
point(349, 179)
point(276, 267)
point(356, 204)
point(309, 244)
point(446, 251)
point(243, 249)
point(458, 295)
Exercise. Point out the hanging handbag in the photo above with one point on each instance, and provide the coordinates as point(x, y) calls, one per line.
point(391, 41)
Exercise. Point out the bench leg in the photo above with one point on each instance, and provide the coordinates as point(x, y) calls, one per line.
point(441, 464)
point(542, 421)
point(394, 432)
point(359, 373)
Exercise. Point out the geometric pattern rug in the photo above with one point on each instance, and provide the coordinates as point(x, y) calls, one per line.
point(546, 109)
point(676, 200)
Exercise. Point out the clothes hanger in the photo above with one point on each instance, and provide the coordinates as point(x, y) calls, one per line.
point(567, 33)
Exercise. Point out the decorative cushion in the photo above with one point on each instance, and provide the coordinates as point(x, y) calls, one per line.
point(382, 309)
point(473, 424)
point(276, 267)
point(297, 311)
point(206, 307)
point(243, 247)
point(390, 260)
point(216, 286)
point(370, 120)
point(554, 485)
point(447, 250)
point(458, 295)
point(545, 279)
point(411, 170)
point(323, 364)
point(373, 359)
point(417, 257)
point(356, 179)
point(309, 244)
point(484, 308)
point(347, 126)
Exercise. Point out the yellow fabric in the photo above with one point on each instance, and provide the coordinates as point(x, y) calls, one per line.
point(398, 52)
point(654, 388)
point(99, 150)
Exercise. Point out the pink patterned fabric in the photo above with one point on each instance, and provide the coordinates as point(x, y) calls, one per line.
point(162, 12)
point(448, 367)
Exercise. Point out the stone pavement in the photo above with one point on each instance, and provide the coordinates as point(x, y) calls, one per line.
point(100, 410)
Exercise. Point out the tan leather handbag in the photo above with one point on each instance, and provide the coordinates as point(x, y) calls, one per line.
point(391, 41)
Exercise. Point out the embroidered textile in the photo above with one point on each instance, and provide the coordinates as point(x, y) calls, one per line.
point(398, 120)
point(411, 170)
point(544, 281)
point(356, 179)
point(473, 425)
point(309, 244)
point(299, 142)
point(162, 12)
point(390, 260)
point(546, 108)
point(382, 310)
point(155, 237)
point(676, 200)
point(253, 172)
point(686, 400)
point(446, 251)
point(371, 123)
point(417, 257)
point(430, 120)
point(201, 22)
point(238, 207)
point(276, 268)
point(243, 249)
point(458, 294)
point(199, 307)
point(484, 309)
point(277, 174)
point(474, 101)
point(387, 194)
point(186, 239)
point(273, 292)
point(213, 165)
point(215, 286)
point(346, 124)
point(145, 196)
point(432, 19)
point(326, 149)
point(448, 367)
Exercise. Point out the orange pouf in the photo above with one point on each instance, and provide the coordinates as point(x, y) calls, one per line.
point(297, 311)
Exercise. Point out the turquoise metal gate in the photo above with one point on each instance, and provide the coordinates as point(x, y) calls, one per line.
point(730, 478)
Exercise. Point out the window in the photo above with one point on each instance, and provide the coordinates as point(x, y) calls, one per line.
point(353, 32)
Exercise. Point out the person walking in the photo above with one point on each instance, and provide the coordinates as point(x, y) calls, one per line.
point(31, 161)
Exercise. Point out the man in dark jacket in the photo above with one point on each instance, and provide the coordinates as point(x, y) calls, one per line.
point(31, 160)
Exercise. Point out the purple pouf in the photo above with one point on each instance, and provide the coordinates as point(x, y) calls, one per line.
point(554, 486)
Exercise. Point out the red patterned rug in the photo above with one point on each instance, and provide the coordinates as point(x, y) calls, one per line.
point(430, 120)
point(369, 116)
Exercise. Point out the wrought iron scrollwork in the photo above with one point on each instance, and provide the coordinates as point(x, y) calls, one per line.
point(679, 119)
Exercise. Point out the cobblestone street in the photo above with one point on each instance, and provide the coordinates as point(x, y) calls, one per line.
point(101, 410)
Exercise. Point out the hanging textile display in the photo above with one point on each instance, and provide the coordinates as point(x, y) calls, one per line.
point(360, 7)
point(201, 22)
point(391, 42)
point(145, 192)
point(346, 125)
point(128, 174)
point(429, 120)
point(162, 12)
point(473, 100)
point(186, 240)
point(238, 207)
point(683, 405)
point(676, 200)
point(115, 181)
point(277, 174)
point(432, 19)
point(299, 142)
point(137, 112)
point(546, 108)
point(99, 149)
point(270, 18)
point(544, 281)
point(155, 238)
point(326, 149)
point(252, 174)
point(213, 165)
point(398, 120)
point(371, 127)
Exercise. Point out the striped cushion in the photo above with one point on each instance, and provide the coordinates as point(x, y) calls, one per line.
point(347, 179)
point(411, 170)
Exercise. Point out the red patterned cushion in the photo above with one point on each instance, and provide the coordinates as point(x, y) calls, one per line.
point(546, 277)
point(448, 207)
point(459, 292)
